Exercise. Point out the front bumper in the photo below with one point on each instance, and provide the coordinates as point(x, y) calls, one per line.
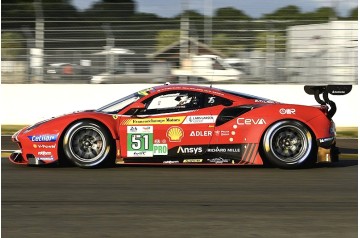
point(327, 150)
point(17, 158)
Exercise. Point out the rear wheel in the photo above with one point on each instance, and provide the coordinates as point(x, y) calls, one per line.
point(87, 144)
point(289, 144)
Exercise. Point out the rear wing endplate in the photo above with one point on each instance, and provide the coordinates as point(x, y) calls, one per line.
point(325, 90)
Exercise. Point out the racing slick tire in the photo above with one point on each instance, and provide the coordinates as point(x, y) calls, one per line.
point(88, 144)
point(289, 144)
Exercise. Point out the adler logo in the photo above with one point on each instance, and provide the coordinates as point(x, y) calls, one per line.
point(250, 121)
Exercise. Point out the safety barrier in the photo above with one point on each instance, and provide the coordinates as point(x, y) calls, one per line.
point(30, 103)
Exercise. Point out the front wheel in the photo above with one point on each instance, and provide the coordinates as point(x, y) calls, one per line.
point(288, 144)
point(87, 144)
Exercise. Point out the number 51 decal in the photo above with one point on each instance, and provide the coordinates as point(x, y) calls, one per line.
point(140, 141)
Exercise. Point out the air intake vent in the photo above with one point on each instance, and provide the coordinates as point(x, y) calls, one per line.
point(229, 114)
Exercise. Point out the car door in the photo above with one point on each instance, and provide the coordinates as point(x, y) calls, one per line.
point(174, 127)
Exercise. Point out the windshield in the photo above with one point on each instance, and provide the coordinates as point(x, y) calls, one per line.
point(247, 96)
point(120, 104)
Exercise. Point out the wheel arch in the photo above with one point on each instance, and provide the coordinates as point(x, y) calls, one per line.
point(261, 146)
point(111, 132)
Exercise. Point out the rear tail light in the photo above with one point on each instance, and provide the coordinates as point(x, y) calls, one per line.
point(324, 109)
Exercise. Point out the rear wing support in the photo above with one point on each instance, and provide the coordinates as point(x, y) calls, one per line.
point(325, 90)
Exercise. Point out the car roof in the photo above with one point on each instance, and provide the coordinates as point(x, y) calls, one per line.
point(208, 89)
point(185, 87)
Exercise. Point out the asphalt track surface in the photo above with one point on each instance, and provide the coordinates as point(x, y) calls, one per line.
point(181, 201)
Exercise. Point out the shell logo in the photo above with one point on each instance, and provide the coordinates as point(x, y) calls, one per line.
point(175, 134)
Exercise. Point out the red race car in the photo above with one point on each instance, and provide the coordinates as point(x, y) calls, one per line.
point(188, 125)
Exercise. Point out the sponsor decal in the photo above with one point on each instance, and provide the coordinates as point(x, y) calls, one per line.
point(224, 133)
point(131, 129)
point(146, 129)
point(250, 121)
point(211, 99)
point(190, 150)
point(287, 111)
point(44, 153)
point(337, 92)
point(160, 149)
point(140, 129)
point(264, 101)
point(201, 133)
point(154, 121)
point(43, 138)
point(171, 162)
point(45, 158)
point(139, 153)
point(223, 149)
point(175, 134)
point(44, 146)
point(218, 160)
point(192, 160)
point(201, 119)
point(326, 139)
point(140, 141)
point(145, 92)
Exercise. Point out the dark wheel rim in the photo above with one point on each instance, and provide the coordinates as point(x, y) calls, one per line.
point(290, 144)
point(87, 144)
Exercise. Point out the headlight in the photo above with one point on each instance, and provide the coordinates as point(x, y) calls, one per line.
point(36, 125)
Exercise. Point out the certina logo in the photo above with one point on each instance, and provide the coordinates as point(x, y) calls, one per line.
point(189, 150)
point(43, 138)
point(288, 111)
point(250, 121)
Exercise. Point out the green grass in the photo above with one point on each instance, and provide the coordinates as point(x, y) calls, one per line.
point(10, 129)
point(347, 132)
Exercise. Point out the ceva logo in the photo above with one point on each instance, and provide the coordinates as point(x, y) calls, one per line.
point(249, 121)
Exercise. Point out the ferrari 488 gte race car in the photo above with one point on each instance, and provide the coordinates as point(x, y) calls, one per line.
point(188, 125)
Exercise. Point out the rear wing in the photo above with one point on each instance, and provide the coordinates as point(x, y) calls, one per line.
point(325, 90)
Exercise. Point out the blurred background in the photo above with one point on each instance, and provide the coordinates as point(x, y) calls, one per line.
point(129, 41)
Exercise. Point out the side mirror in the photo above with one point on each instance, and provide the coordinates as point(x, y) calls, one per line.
point(138, 105)
point(136, 108)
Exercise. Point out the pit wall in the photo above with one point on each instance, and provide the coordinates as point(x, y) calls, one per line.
point(24, 104)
